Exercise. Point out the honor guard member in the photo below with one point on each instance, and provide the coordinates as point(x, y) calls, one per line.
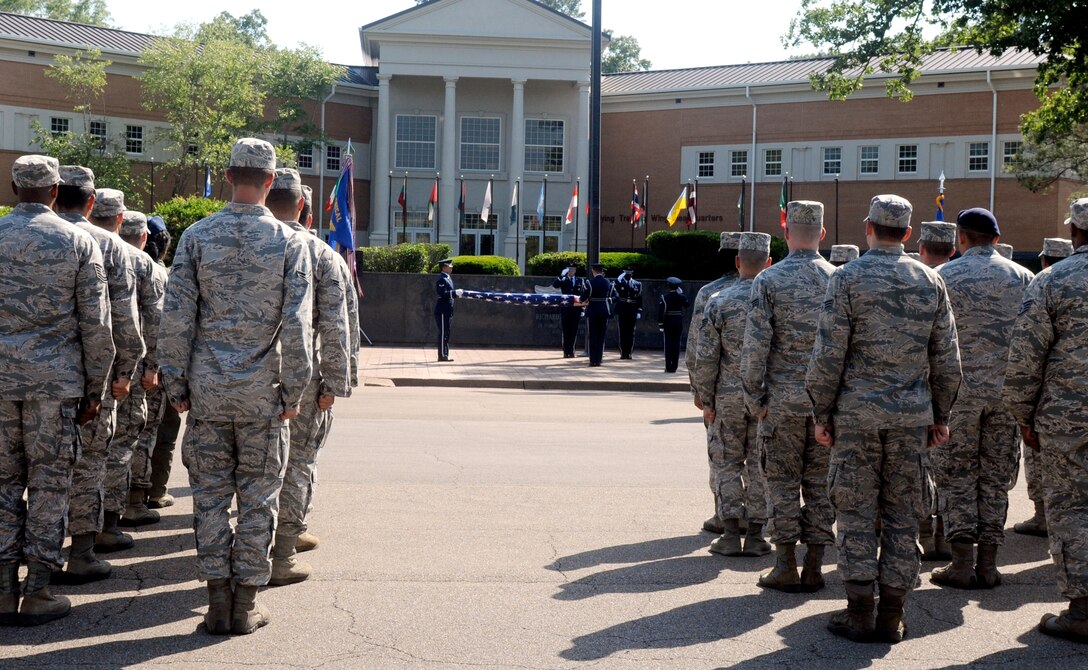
point(973, 471)
point(1045, 391)
point(597, 295)
point(569, 315)
point(443, 307)
point(56, 350)
point(841, 254)
point(1054, 249)
point(331, 379)
point(777, 347)
point(237, 356)
point(936, 243)
point(670, 321)
point(736, 477)
point(628, 310)
point(1005, 250)
point(884, 374)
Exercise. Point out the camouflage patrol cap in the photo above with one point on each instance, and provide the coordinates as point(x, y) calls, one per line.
point(804, 213)
point(107, 202)
point(77, 175)
point(249, 152)
point(34, 171)
point(844, 253)
point(1078, 214)
point(1004, 249)
point(133, 223)
point(938, 231)
point(1057, 247)
point(287, 179)
point(729, 240)
point(308, 194)
point(757, 242)
point(891, 211)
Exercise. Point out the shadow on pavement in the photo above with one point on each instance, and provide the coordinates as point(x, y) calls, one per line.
point(121, 653)
point(636, 552)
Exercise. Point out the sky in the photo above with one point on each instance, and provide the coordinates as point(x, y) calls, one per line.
point(686, 33)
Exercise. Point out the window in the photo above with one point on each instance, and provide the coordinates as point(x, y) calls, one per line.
point(706, 164)
point(738, 163)
point(415, 142)
point(97, 130)
point(1009, 154)
point(305, 157)
point(134, 139)
point(772, 163)
point(544, 142)
point(978, 156)
point(480, 143)
point(58, 126)
point(332, 158)
point(832, 160)
point(870, 160)
point(908, 159)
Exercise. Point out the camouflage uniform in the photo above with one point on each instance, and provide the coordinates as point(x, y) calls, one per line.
point(55, 348)
point(841, 254)
point(974, 469)
point(156, 404)
point(237, 345)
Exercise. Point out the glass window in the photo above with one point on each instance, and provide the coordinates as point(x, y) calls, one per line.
point(1009, 154)
point(416, 142)
point(772, 163)
point(480, 143)
point(706, 163)
point(832, 160)
point(908, 159)
point(738, 163)
point(134, 139)
point(305, 157)
point(332, 158)
point(97, 130)
point(870, 160)
point(58, 126)
point(544, 142)
point(978, 156)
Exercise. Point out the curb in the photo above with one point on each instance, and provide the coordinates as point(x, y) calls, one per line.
point(533, 384)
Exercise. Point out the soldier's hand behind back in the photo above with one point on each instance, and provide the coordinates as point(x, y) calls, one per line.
point(88, 410)
point(289, 413)
point(149, 380)
point(325, 402)
point(1027, 433)
point(825, 435)
point(938, 435)
point(121, 388)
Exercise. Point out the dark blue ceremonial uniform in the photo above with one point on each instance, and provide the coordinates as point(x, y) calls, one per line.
point(598, 294)
point(628, 309)
point(670, 319)
point(443, 314)
point(569, 315)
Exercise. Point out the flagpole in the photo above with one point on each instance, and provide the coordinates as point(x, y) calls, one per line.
point(517, 221)
point(634, 190)
point(437, 209)
point(593, 225)
point(695, 198)
point(404, 207)
point(544, 213)
point(646, 210)
point(391, 224)
point(461, 214)
point(577, 216)
point(740, 218)
point(491, 190)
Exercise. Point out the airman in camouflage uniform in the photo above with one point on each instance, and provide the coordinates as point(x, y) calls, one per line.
point(1044, 389)
point(331, 379)
point(1054, 250)
point(974, 469)
point(841, 254)
point(727, 255)
point(56, 350)
point(936, 243)
point(1005, 250)
point(884, 374)
point(777, 348)
point(736, 476)
point(87, 516)
point(235, 351)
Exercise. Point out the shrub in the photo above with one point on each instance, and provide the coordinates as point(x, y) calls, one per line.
point(435, 253)
point(690, 254)
point(779, 250)
point(181, 212)
point(484, 265)
point(645, 266)
point(5, 210)
point(409, 258)
point(552, 263)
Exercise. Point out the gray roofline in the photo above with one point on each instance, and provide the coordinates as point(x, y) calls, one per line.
point(421, 6)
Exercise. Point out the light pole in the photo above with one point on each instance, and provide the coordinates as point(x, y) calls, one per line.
point(593, 227)
point(836, 209)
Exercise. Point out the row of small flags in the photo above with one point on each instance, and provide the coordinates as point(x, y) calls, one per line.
point(488, 202)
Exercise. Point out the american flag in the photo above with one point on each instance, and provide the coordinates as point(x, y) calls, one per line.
point(523, 299)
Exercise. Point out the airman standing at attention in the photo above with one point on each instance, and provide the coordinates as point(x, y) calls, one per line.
point(570, 316)
point(841, 254)
point(1004, 250)
point(445, 294)
point(628, 310)
point(670, 321)
point(936, 243)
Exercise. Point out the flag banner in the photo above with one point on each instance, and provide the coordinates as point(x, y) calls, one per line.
point(693, 209)
point(461, 204)
point(432, 202)
point(940, 198)
point(207, 181)
point(514, 194)
point(573, 208)
point(636, 208)
point(783, 198)
point(403, 201)
point(485, 209)
point(540, 202)
point(342, 220)
point(521, 299)
point(740, 208)
point(679, 206)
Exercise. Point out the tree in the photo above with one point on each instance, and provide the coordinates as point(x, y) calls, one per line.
point(94, 12)
point(864, 36)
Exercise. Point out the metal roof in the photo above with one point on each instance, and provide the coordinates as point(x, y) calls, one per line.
point(362, 75)
point(794, 72)
point(37, 29)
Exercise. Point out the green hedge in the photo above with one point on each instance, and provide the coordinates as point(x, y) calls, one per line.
point(646, 266)
point(410, 258)
point(181, 212)
point(436, 252)
point(694, 254)
point(551, 264)
point(5, 210)
point(484, 265)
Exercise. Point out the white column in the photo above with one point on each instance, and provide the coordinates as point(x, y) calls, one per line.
point(581, 162)
point(379, 182)
point(448, 181)
point(515, 169)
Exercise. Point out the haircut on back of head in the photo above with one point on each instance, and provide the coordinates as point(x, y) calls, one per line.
point(283, 202)
point(888, 233)
point(42, 195)
point(943, 249)
point(307, 210)
point(247, 176)
point(805, 234)
point(73, 197)
point(977, 239)
point(751, 259)
point(158, 244)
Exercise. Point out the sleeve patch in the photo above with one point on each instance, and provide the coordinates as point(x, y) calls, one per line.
point(1026, 305)
point(829, 304)
point(99, 271)
point(754, 303)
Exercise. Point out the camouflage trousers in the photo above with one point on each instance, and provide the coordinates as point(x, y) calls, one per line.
point(1065, 471)
point(145, 443)
point(228, 459)
point(162, 456)
point(131, 417)
point(87, 498)
point(973, 471)
point(309, 431)
point(1033, 472)
point(796, 467)
point(736, 478)
point(39, 445)
point(880, 473)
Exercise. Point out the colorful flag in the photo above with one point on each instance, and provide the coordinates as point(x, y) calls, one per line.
point(572, 209)
point(515, 195)
point(540, 201)
point(693, 209)
point(342, 220)
point(940, 199)
point(783, 198)
point(432, 202)
point(403, 201)
point(740, 206)
point(679, 206)
point(636, 206)
point(207, 181)
point(485, 209)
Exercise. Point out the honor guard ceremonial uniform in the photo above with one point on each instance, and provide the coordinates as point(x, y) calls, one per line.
point(598, 293)
point(670, 321)
point(443, 308)
point(628, 310)
point(569, 315)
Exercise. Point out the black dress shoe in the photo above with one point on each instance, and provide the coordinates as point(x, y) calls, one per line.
point(445, 360)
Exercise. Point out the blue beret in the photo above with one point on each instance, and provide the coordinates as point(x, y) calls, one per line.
point(155, 224)
point(673, 281)
point(978, 220)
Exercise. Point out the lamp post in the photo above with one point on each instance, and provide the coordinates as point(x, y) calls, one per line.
point(836, 209)
point(152, 207)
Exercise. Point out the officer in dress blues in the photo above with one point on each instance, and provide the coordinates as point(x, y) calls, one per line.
point(628, 310)
point(670, 321)
point(598, 293)
point(569, 315)
point(443, 308)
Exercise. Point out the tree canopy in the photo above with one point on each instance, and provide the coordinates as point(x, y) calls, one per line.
point(81, 11)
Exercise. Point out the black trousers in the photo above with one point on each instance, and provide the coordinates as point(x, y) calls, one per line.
point(672, 344)
point(596, 328)
point(568, 319)
point(442, 321)
point(626, 316)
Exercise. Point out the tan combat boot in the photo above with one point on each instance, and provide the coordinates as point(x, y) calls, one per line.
point(1036, 525)
point(889, 615)
point(926, 539)
point(248, 615)
point(855, 623)
point(158, 498)
point(286, 568)
point(83, 566)
point(714, 525)
point(986, 574)
point(9, 593)
point(812, 578)
point(220, 607)
point(783, 576)
point(960, 573)
point(111, 538)
point(754, 542)
point(728, 544)
point(39, 605)
point(941, 549)
point(306, 542)
point(1071, 624)
point(137, 512)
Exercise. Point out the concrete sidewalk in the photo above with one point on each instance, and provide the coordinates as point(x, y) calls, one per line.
point(532, 369)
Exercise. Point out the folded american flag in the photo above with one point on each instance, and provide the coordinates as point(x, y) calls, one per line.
point(525, 299)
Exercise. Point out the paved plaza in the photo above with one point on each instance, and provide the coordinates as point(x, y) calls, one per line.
point(511, 528)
